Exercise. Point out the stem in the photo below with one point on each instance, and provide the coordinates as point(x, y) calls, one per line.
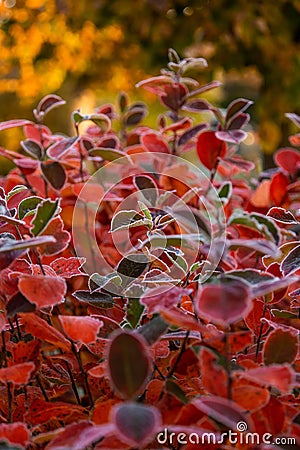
point(86, 227)
point(228, 369)
point(74, 388)
point(260, 334)
point(39, 382)
point(18, 328)
point(85, 380)
point(9, 402)
point(179, 356)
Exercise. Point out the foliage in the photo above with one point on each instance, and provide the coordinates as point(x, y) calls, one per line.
point(102, 45)
point(195, 327)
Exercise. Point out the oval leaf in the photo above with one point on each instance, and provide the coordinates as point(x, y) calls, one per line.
point(136, 423)
point(224, 304)
point(281, 346)
point(54, 173)
point(129, 364)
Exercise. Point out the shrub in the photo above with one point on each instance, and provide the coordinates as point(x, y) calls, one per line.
point(146, 300)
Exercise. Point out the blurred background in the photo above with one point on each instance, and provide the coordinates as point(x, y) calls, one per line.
point(88, 50)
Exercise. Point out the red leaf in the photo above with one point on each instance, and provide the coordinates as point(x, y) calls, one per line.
point(14, 433)
point(40, 412)
point(279, 376)
point(253, 318)
point(14, 123)
point(222, 410)
point(68, 267)
point(214, 376)
point(174, 95)
point(56, 229)
point(153, 143)
point(136, 423)
point(78, 436)
point(278, 188)
point(162, 298)
point(223, 304)
point(271, 418)
point(281, 215)
point(17, 374)
point(43, 290)
point(281, 346)
point(288, 159)
point(210, 148)
point(83, 329)
point(248, 396)
point(42, 330)
point(39, 133)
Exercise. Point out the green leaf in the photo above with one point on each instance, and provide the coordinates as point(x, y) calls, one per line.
point(134, 311)
point(132, 266)
point(109, 154)
point(270, 225)
point(283, 314)
point(28, 206)
point(129, 219)
point(145, 211)
point(46, 210)
point(97, 281)
point(54, 173)
point(129, 364)
point(225, 192)
point(176, 390)
point(16, 190)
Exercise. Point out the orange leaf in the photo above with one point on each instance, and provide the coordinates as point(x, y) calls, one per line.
point(68, 267)
point(43, 290)
point(280, 376)
point(17, 374)
point(261, 196)
point(214, 376)
point(83, 329)
point(248, 396)
point(42, 330)
point(14, 433)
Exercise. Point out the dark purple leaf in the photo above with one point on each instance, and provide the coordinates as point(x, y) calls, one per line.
point(291, 262)
point(239, 162)
point(197, 105)
point(136, 423)
point(191, 132)
point(232, 136)
point(238, 121)
point(47, 104)
point(54, 173)
point(129, 363)
point(33, 148)
point(237, 106)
